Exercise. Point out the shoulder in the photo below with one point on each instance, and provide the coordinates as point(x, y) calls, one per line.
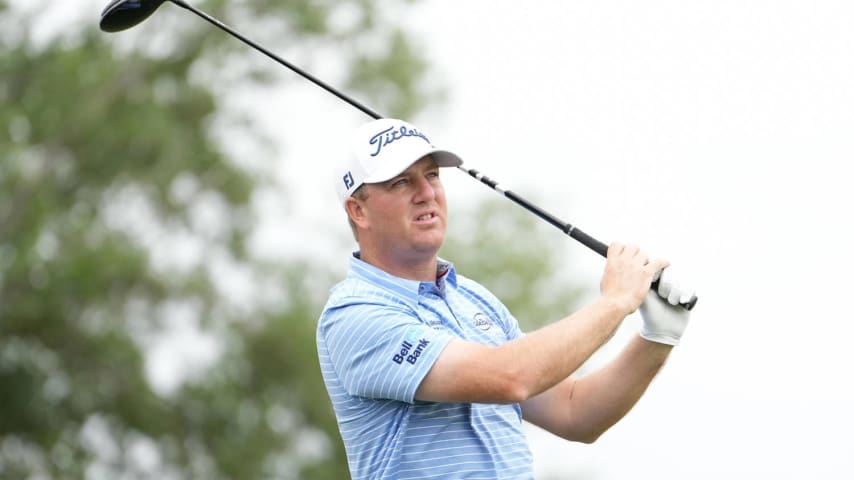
point(356, 302)
point(356, 291)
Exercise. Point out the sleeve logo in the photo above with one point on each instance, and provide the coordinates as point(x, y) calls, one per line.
point(410, 352)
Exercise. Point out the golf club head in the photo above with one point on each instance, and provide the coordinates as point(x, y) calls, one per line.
point(123, 14)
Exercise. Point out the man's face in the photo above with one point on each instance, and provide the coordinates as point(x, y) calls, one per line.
point(407, 215)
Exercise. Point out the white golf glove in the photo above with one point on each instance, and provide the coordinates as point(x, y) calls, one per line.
point(664, 320)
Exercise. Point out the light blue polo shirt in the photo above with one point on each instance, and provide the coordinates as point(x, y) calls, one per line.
point(377, 338)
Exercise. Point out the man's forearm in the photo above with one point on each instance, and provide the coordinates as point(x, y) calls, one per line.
point(602, 398)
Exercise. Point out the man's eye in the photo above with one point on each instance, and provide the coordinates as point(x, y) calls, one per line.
point(399, 182)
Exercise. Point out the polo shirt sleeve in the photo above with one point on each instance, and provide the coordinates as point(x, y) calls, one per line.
point(510, 324)
point(380, 351)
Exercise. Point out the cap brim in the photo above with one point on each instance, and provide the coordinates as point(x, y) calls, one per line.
point(443, 158)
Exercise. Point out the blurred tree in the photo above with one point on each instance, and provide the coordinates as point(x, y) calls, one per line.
point(121, 217)
point(118, 212)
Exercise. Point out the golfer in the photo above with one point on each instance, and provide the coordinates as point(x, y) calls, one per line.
point(428, 372)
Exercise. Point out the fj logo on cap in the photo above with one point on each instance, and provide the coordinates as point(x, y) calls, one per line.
point(348, 180)
point(390, 135)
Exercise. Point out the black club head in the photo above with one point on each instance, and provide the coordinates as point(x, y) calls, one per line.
point(123, 14)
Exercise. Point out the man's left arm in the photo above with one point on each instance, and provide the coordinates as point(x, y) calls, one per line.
point(582, 409)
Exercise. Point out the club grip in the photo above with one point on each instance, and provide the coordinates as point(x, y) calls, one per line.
point(602, 249)
point(587, 240)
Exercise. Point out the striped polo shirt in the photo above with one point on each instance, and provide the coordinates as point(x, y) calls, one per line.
point(377, 338)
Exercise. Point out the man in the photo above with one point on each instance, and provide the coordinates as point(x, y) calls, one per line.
point(428, 373)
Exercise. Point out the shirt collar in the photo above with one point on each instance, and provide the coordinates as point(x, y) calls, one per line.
point(411, 289)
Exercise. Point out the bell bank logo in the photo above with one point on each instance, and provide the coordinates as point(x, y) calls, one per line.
point(391, 135)
point(410, 352)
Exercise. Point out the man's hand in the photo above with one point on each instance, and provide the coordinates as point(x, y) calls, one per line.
point(664, 320)
point(628, 275)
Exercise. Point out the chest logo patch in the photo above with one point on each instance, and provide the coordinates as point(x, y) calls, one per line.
point(481, 321)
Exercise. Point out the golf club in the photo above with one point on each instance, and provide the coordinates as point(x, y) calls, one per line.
point(120, 15)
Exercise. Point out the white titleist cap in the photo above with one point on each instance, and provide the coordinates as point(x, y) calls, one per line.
point(382, 149)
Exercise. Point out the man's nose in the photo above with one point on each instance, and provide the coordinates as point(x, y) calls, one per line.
point(425, 191)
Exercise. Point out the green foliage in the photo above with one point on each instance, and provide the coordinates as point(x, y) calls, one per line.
point(79, 128)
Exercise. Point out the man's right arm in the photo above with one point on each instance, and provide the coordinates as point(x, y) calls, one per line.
point(524, 367)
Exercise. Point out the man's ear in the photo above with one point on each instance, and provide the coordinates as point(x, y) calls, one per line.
point(356, 211)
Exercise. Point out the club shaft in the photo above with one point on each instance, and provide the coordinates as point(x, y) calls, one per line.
point(566, 228)
point(280, 60)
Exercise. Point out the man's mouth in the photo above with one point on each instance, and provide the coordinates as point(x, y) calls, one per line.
point(426, 216)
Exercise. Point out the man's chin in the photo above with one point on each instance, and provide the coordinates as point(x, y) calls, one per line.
point(430, 245)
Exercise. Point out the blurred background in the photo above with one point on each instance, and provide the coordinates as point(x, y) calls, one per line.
point(169, 228)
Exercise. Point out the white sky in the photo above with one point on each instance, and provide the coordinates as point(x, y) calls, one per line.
point(715, 134)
